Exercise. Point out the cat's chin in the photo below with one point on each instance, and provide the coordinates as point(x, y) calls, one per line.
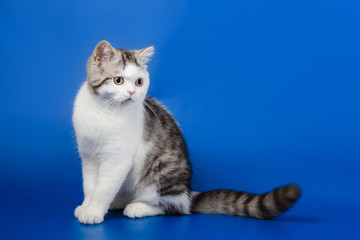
point(126, 101)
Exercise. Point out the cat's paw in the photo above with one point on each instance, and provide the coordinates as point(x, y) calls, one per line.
point(79, 210)
point(140, 210)
point(91, 216)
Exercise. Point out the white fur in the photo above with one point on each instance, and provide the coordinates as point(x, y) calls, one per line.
point(141, 209)
point(110, 143)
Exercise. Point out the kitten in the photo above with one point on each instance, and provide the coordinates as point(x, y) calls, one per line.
point(133, 153)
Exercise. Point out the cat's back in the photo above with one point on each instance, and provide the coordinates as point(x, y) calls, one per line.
point(159, 120)
point(162, 129)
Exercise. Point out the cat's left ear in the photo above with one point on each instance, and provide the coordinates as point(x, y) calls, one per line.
point(144, 54)
point(103, 52)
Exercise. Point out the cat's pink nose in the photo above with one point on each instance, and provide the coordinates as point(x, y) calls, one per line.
point(131, 93)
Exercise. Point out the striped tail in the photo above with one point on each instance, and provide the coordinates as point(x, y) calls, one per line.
point(262, 206)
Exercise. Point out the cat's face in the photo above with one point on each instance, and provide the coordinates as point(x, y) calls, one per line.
point(119, 76)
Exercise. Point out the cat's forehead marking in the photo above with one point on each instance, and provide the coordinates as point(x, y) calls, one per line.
point(127, 57)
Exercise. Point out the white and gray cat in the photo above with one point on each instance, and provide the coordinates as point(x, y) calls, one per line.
point(134, 156)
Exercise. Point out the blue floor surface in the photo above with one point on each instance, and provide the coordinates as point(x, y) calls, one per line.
point(308, 220)
point(41, 207)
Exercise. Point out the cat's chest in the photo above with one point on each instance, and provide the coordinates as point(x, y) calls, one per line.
point(98, 130)
point(98, 124)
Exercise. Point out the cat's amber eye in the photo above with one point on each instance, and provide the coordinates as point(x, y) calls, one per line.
point(139, 82)
point(118, 80)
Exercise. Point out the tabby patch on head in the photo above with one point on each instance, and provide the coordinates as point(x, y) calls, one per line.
point(118, 74)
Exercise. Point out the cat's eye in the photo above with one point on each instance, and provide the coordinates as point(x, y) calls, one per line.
point(139, 82)
point(118, 80)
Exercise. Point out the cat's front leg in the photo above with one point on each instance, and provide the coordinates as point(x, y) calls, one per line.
point(111, 176)
point(90, 174)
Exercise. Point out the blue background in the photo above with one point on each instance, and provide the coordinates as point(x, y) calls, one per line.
point(266, 92)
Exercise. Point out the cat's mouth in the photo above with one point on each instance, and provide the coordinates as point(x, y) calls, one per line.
point(126, 101)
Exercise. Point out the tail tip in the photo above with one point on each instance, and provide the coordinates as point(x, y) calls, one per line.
point(292, 192)
point(287, 196)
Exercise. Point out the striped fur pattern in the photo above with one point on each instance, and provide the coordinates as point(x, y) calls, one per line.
point(166, 165)
point(134, 156)
point(262, 206)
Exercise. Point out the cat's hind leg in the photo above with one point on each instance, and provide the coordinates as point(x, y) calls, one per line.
point(141, 209)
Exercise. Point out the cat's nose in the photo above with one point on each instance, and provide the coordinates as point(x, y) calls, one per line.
point(131, 92)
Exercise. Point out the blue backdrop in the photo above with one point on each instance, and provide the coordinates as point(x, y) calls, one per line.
point(266, 92)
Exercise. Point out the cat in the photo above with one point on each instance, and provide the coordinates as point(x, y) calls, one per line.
point(134, 157)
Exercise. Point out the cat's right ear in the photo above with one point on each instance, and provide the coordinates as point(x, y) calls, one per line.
point(103, 52)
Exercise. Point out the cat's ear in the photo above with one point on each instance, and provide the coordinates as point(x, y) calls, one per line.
point(103, 52)
point(144, 54)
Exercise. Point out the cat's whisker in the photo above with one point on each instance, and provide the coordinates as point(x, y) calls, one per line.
point(107, 102)
point(152, 110)
point(141, 106)
point(104, 107)
point(138, 104)
point(111, 103)
point(107, 106)
point(146, 112)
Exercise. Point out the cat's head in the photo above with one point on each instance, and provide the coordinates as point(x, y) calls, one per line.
point(119, 75)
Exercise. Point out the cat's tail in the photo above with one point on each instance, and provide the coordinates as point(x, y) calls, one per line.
point(262, 206)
